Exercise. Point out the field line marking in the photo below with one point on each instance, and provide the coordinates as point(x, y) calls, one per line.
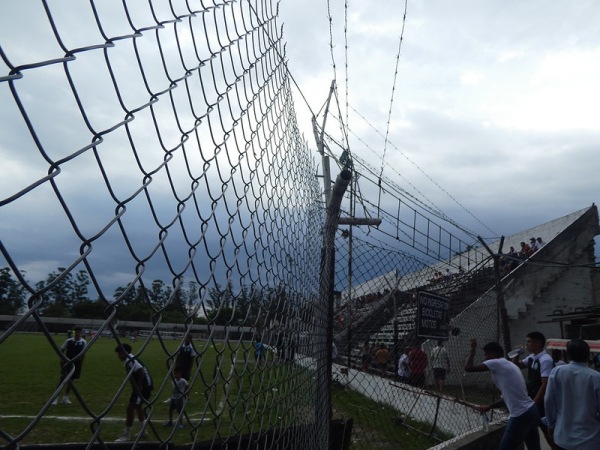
point(74, 418)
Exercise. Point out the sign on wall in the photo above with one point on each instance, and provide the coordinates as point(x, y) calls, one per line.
point(433, 315)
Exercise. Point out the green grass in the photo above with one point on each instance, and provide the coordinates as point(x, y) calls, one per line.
point(230, 395)
point(225, 398)
point(375, 424)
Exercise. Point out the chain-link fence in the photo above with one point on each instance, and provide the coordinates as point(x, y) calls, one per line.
point(154, 181)
point(159, 210)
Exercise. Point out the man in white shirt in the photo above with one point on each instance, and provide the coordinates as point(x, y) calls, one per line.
point(523, 414)
point(573, 401)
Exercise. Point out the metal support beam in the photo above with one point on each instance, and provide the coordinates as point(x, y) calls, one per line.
point(324, 314)
point(359, 221)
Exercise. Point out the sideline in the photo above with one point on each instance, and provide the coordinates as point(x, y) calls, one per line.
point(78, 418)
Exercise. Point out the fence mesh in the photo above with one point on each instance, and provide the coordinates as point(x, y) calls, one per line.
point(157, 193)
point(159, 177)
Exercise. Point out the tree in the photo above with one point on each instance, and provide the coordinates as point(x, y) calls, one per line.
point(89, 309)
point(222, 305)
point(80, 286)
point(129, 295)
point(159, 294)
point(219, 298)
point(12, 293)
point(191, 298)
point(58, 293)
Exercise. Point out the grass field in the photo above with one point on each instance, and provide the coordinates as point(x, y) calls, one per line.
point(230, 395)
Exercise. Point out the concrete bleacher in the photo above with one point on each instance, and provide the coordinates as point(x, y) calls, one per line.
point(532, 290)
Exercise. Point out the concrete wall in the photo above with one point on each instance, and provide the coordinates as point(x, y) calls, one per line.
point(533, 292)
point(478, 440)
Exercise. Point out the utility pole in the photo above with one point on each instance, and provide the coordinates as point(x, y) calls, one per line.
point(501, 314)
point(324, 315)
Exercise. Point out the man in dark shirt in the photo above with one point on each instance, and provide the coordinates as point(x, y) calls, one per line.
point(71, 348)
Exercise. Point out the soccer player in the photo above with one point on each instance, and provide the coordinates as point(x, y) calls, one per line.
point(141, 384)
point(71, 348)
point(180, 386)
point(185, 358)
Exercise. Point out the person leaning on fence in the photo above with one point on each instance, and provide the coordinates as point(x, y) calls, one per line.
point(141, 384)
point(71, 348)
point(573, 401)
point(523, 414)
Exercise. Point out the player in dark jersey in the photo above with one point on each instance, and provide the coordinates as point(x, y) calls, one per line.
point(185, 358)
point(71, 348)
point(141, 383)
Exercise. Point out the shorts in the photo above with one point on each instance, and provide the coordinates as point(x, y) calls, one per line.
point(439, 374)
point(177, 404)
point(67, 368)
point(135, 397)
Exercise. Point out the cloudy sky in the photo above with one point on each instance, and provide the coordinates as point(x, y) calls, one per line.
point(494, 117)
point(498, 102)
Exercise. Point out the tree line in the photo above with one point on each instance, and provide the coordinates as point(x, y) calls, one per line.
point(66, 294)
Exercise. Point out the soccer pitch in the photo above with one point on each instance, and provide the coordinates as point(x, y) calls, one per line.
point(229, 395)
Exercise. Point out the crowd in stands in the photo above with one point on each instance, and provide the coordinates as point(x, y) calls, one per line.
point(447, 277)
point(513, 258)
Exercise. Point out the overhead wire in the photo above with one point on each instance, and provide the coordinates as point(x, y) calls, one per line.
point(464, 208)
point(384, 181)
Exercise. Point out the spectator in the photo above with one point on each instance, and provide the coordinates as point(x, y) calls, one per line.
point(403, 370)
point(440, 363)
point(71, 348)
point(573, 401)
point(525, 251)
point(512, 259)
point(141, 389)
point(523, 414)
point(382, 357)
point(540, 242)
point(557, 358)
point(539, 364)
point(334, 351)
point(365, 355)
point(533, 245)
point(417, 364)
point(449, 275)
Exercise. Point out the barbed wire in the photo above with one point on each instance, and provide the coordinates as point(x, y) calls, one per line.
point(389, 117)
